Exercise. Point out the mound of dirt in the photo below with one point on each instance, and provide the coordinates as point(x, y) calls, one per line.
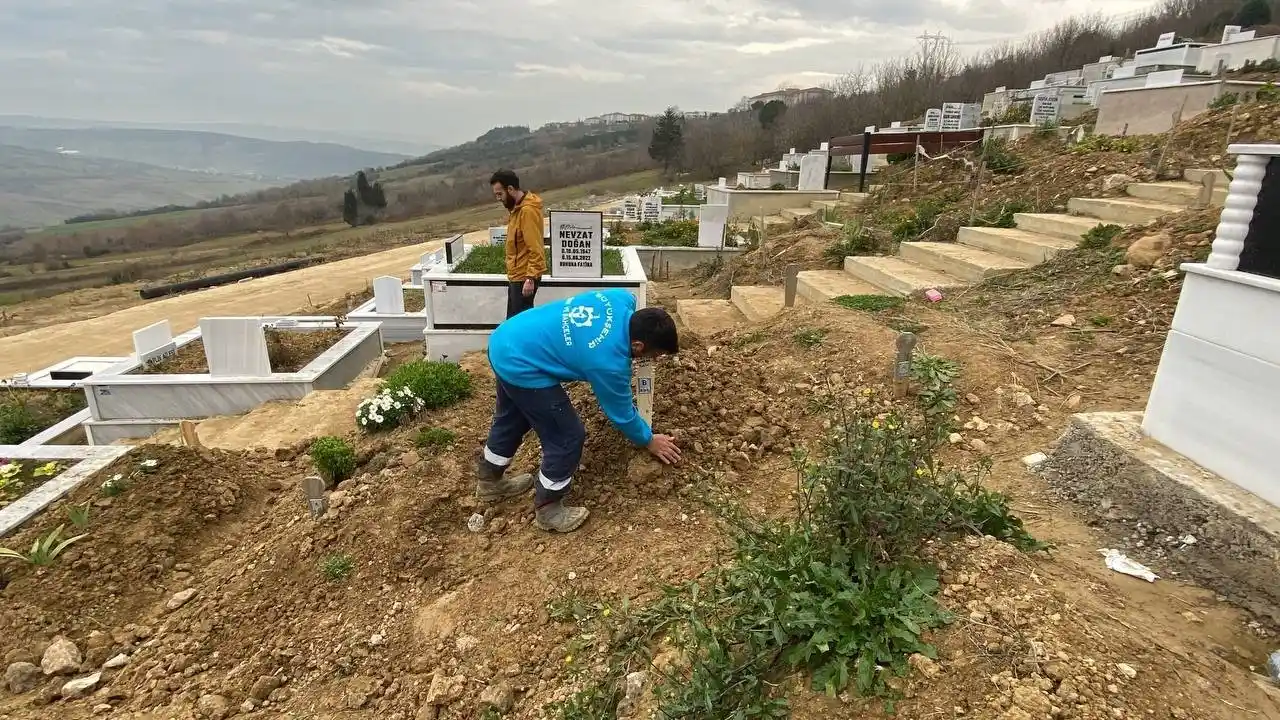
point(765, 263)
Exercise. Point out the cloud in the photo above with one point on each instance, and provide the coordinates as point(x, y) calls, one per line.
point(444, 71)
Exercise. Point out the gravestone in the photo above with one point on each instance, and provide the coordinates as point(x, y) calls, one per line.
point(388, 296)
point(813, 173)
point(711, 222)
point(1260, 254)
point(1229, 32)
point(498, 235)
point(1045, 108)
point(577, 244)
point(1165, 39)
point(235, 347)
point(453, 250)
point(644, 390)
point(154, 342)
point(933, 120)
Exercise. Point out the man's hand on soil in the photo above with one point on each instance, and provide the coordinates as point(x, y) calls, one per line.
point(528, 287)
point(664, 448)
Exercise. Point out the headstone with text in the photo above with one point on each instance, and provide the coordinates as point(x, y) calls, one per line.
point(154, 342)
point(1045, 108)
point(235, 347)
point(454, 250)
point(577, 244)
point(498, 235)
point(933, 120)
point(813, 172)
point(1166, 39)
point(388, 296)
point(1229, 32)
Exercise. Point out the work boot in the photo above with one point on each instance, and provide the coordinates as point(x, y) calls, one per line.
point(558, 517)
point(492, 486)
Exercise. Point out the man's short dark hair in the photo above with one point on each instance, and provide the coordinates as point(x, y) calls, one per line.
point(507, 178)
point(655, 327)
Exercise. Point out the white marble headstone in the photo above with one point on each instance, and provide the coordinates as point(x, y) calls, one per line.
point(711, 222)
point(724, 182)
point(235, 347)
point(813, 173)
point(388, 295)
point(154, 341)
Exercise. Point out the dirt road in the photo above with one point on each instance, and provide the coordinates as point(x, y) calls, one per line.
point(289, 292)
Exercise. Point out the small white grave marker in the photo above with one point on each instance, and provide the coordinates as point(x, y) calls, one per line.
point(711, 222)
point(313, 493)
point(644, 390)
point(388, 296)
point(235, 347)
point(813, 172)
point(453, 250)
point(154, 342)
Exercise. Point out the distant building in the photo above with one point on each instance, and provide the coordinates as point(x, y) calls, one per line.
point(792, 96)
point(616, 119)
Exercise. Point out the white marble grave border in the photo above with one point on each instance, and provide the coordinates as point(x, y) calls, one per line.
point(139, 405)
point(91, 459)
point(399, 327)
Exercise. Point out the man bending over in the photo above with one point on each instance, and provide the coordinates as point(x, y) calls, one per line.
point(592, 337)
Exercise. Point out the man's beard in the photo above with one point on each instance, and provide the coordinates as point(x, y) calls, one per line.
point(509, 201)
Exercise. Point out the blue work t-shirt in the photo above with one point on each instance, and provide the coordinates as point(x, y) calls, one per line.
point(586, 337)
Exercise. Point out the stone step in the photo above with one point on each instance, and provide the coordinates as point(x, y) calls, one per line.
point(967, 263)
point(1069, 227)
point(821, 205)
point(1029, 247)
point(898, 276)
point(798, 213)
point(819, 286)
point(1121, 211)
point(708, 317)
point(854, 198)
point(771, 222)
point(1175, 193)
point(757, 302)
point(1196, 177)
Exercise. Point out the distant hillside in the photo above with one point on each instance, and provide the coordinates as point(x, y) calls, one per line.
point(38, 187)
point(200, 151)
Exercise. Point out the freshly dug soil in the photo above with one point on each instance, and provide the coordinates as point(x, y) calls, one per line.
point(24, 412)
point(289, 352)
point(26, 480)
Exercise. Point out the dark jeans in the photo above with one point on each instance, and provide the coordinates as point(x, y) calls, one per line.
point(516, 301)
point(548, 412)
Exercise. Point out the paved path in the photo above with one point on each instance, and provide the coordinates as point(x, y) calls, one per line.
point(286, 293)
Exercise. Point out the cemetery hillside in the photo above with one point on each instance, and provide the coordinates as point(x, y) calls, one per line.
point(976, 385)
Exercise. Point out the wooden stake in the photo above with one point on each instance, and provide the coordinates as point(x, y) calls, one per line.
point(906, 345)
point(190, 438)
point(791, 277)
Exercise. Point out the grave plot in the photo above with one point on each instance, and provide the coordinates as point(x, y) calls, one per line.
point(33, 477)
point(227, 366)
point(41, 415)
point(467, 299)
point(400, 308)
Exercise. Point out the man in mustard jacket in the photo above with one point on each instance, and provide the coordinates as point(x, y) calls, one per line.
point(526, 259)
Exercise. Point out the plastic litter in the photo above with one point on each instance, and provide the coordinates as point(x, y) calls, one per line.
point(932, 295)
point(1273, 666)
point(475, 523)
point(1119, 562)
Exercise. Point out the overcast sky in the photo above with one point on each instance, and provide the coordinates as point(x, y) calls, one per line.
point(444, 71)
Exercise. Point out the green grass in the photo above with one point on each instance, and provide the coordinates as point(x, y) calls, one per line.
point(869, 303)
point(490, 260)
point(810, 337)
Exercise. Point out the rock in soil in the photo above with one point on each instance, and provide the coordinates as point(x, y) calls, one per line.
point(499, 697)
point(214, 707)
point(81, 686)
point(22, 677)
point(62, 657)
point(179, 599)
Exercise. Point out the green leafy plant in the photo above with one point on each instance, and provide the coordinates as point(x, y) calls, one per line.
point(337, 567)
point(79, 515)
point(919, 219)
point(45, 549)
point(1100, 236)
point(869, 303)
point(809, 337)
point(1001, 216)
point(435, 439)
point(47, 470)
point(436, 384)
point(935, 376)
point(854, 240)
point(1001, 160)
point(1224, 100)
point(334, 458)
point(671, 233)
point(10, 472)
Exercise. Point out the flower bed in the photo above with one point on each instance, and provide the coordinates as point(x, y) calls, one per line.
point(491, 260)
point(26, 412)
point(19, 477)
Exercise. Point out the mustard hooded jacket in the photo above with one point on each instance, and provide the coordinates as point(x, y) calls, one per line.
point(524, 251)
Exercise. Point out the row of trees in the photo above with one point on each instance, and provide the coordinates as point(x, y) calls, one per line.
point(903, 88)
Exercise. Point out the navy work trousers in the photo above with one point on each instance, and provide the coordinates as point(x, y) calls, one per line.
point(548, 412)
